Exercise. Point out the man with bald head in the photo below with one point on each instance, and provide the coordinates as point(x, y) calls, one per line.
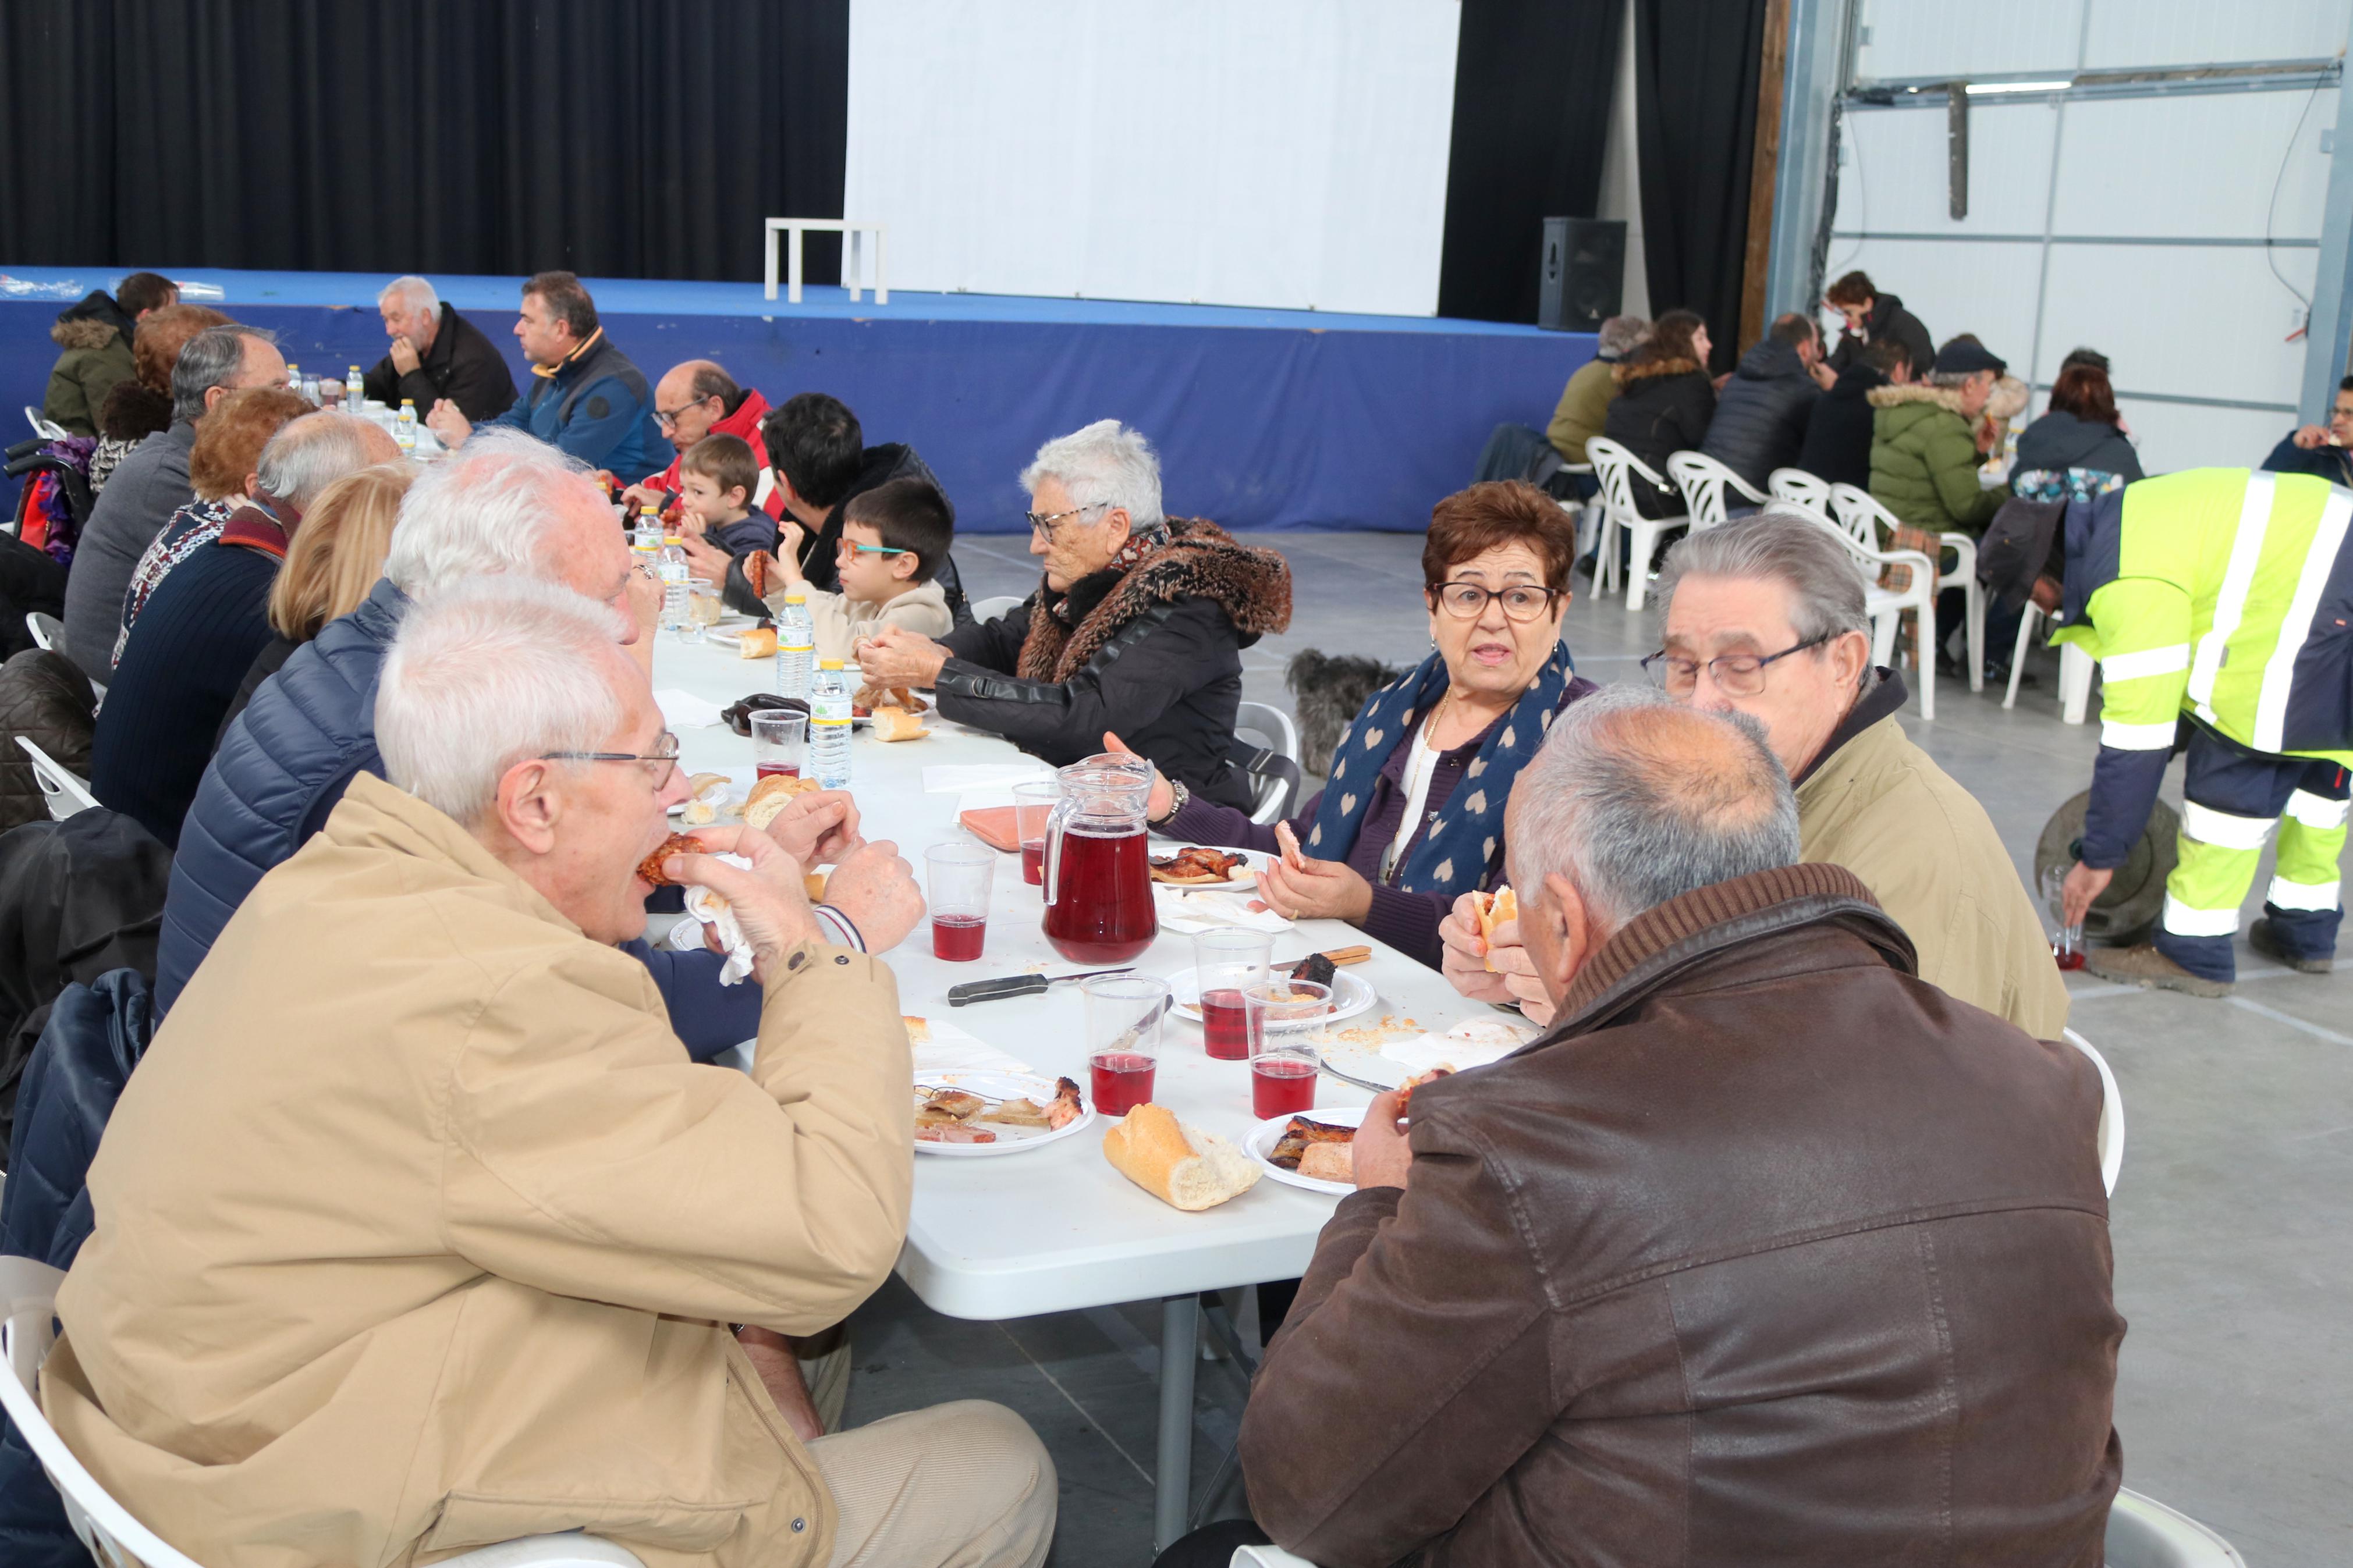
point(696, 399)
point(1764, 1241)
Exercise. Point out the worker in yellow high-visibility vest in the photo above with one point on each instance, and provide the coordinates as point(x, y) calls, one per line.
point(2217, 603)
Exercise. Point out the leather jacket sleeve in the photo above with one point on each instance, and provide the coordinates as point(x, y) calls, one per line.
point(1128, 684)
point(1416, 1367)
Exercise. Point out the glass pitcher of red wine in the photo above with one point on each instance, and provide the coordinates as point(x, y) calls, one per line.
point(1098, 885)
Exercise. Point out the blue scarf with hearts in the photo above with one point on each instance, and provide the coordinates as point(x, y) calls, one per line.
point(1452, 856)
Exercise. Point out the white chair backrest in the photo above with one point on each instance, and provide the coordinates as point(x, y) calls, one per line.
point(1862, 517)
point(46, 630)
point(1271, 728)
point(989, 609)
point(2112, 1113)
point(2145, 1534)
point(1615, 467)
point(47, 429)
point(1703, 480)
point(65, 793)
point(1798, 485)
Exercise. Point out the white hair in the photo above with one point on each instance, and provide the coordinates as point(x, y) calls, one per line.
point(415, 294)
point(1622, 804)
point(311, 453)
point(1784, 545)
point(488, 673)
point(1107, 464)
point(496, 504)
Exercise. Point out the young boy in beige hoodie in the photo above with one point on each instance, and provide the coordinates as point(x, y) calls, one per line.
point(893, 538)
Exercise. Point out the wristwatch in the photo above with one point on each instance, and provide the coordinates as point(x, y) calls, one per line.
point(1178, 795)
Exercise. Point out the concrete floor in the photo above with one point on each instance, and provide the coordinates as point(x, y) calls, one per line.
point(2230, 1221)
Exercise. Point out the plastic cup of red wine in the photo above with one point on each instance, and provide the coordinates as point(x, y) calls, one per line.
point(958, 874)
point(1226, 959)
point(1283, 1064)
point(1124, 1014)
point(776, 740)
point(1033, 802)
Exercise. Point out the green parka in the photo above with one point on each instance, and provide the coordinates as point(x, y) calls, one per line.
point(1923, 460)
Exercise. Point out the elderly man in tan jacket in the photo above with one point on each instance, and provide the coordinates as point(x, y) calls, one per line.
point(1765, 616)
point(417, 1230)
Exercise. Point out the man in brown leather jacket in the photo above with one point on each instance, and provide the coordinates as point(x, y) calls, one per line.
point(1768, 1252)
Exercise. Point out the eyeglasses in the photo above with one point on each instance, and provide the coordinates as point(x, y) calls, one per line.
point(663, 759)
point(845, 547)
point(1523, 602)
point(1735, 674)
point(668, 420)
point(1043, 523)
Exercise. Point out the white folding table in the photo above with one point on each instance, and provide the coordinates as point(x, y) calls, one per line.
point(1058, 1229)
point(853, 254)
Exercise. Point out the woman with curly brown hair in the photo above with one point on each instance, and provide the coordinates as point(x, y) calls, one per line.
point(141, 406)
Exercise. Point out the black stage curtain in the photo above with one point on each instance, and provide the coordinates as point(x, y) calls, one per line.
point(1695, 69)
point(1532, 81)
point(616, 138)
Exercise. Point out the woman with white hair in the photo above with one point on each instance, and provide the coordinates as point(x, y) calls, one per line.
point(1138, 626)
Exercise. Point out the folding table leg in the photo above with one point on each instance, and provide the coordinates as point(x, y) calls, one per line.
point(1180, 1334)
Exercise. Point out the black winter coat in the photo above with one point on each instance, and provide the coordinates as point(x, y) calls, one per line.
point(1662, 408)
point(2060, 441)
point(462, 365)
point(1888, 318)
point(1762, 413)
point(1837, 448)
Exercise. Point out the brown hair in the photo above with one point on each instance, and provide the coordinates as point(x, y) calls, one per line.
point(565, 300)
point(2083, 390)
point(1854, 289)
point(338, 552)
point(1468, 523)
point(1671, 338)
point(145, 291)
point(229, 439)
point(155, 345)
point(725, 461)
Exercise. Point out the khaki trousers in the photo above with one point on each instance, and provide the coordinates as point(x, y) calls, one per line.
point(966, 1485)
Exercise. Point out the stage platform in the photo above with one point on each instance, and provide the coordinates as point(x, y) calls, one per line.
point(1264, 419)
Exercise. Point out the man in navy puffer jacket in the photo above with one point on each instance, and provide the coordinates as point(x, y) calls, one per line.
point(506, 503)
point(1761, 414)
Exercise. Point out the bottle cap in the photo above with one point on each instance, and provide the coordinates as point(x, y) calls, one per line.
point(828, 664)
point(797, 598)
point(409, 403)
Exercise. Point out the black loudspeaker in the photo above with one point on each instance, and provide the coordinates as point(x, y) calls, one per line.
point(1581, 274)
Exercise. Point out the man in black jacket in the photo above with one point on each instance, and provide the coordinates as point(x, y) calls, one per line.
point(436, 354)
point(1837, 448)
point(1762, 412)
point(2319, 449)
point(1138, 626)
point(1873, 317)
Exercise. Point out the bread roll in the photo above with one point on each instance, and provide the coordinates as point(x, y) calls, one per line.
point(1330, 1162)
point(769, 796)
point(1185, 1167)
point(897, 724)
point(756, 642)
point(814, 882)
point(1495, 909)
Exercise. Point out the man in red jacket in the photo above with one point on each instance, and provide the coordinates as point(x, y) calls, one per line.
point(694, 400)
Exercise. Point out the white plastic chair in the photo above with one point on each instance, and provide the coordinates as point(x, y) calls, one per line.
point(2112, 1113)
point(1616, 469)
point(1702, 481)
point(1800, 489)
point(1587, 512)
point(2142, 1534)
point(28, 1292)
point(989, 609)
point(1887, 606)
point(1862, 515)
point(46, 630)
point(66, 791)
point(1274, 791)
point(47, 429)
point(2075, 668)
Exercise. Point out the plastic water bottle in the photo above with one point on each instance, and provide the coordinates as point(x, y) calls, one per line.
point(404, 429)
point(354, 390)
point(795, 646)
point(645, 539)
point(674, 576)
point(828, 726)
point(310, 390)
point(293, 378)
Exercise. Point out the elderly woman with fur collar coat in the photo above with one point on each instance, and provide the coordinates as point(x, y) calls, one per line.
point(1664, 403)
point(1929, 437)
point(1138, 626)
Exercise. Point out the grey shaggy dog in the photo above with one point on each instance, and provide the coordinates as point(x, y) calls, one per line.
point(1328, 690)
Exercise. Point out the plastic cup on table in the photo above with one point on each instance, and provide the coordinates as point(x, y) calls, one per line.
point(703, 610)
point(1283, 1063)
point(1225, 960)
point(777, 737)
point(1123, 1013)
point(1033, 802)
point(959, 874)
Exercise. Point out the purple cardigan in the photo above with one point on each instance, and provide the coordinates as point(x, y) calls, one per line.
point(1407, 922)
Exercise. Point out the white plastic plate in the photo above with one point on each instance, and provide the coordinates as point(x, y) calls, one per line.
point(1263, 1137)
point(1002, 1086)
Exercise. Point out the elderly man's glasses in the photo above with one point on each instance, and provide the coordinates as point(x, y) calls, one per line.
point(668, 419)
point(1044, 523)
point(663, 759)
point(1733, 674)
point(1521, 602)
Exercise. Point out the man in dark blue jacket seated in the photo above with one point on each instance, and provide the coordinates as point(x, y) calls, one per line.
point(2319, 450)
point(586, 395)
point(1762, 412)
point(504, 504)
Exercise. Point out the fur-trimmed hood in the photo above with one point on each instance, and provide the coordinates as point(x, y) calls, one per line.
point(83, 333)
point(1199, 561)
point(1632, 371)
point(1945, 397)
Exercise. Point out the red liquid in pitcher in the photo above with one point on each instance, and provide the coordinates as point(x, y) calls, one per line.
point(957, 938)
point(1033, 862)
point(1123, 1080)
point(780, 770)
point(1102, 912)
point(1225, 1026)
point(1282, 1086)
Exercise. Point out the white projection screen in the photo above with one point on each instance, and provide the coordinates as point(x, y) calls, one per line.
point(1273, 153)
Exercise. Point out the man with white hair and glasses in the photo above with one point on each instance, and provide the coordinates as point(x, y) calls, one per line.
point(414, 1232)
point(1766, 1241)
point(1765, 617)
point(436, 354)
point(510, 505)
point(1138, 626)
